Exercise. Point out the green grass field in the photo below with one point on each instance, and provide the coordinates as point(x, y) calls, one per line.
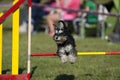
point(101, 67)
point(104, 67)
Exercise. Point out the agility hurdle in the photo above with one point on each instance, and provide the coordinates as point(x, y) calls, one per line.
point(15, 43)
point(1, 46)
point(79, 53)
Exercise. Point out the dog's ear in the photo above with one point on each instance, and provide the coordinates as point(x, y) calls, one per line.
point(61, 24)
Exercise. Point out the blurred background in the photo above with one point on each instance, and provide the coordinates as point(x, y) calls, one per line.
point(100, 67)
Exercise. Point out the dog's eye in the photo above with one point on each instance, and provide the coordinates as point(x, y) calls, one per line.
point(60, 31)
point(56, 31)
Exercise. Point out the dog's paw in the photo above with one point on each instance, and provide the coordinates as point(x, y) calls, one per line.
point(63, 58)
point(72, 59)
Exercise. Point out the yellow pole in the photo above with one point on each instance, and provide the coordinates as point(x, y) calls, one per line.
point(1, 47)
point(91, 53)
point(15, 41)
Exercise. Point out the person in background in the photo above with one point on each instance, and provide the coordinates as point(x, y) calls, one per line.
point(62, 14)
point(80, 17)
point(91, 6)
point(88, 5)
point(38, 14)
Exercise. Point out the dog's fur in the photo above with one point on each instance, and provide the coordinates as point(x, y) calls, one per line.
point(65, 43)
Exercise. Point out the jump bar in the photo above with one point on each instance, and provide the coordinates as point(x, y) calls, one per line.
point(79, 53)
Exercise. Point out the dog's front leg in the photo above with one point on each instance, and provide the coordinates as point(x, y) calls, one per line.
point(63, 58)
point(72, 53)
point(62, 55)
point(72, 56)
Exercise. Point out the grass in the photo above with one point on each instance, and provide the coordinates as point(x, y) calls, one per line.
point(102, 67)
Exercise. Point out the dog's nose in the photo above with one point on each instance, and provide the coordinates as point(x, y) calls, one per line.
point(56, 38)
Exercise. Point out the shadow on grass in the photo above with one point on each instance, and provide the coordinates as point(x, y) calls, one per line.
point(7, 29)
point(33, 70)
point(65, 77)
point(8, 70)
point(21, 70)
point(5, 71)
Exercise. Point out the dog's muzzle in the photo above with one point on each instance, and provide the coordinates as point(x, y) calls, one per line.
point(60, 39)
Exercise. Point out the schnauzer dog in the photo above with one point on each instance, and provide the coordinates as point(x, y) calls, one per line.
point(65, 43)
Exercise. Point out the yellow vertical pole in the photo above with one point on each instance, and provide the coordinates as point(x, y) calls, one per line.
point(15, 41)
point(1, 47)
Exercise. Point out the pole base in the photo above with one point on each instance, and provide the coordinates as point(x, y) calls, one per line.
point(15, 77)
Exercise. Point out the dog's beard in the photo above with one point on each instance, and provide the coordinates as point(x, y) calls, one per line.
point(60, 39)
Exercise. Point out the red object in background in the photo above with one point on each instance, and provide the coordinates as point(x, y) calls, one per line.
point(29, 3)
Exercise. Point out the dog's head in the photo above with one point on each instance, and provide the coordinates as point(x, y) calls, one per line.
point(61, 32)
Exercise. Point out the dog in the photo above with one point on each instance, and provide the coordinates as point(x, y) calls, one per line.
point(65, 43)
